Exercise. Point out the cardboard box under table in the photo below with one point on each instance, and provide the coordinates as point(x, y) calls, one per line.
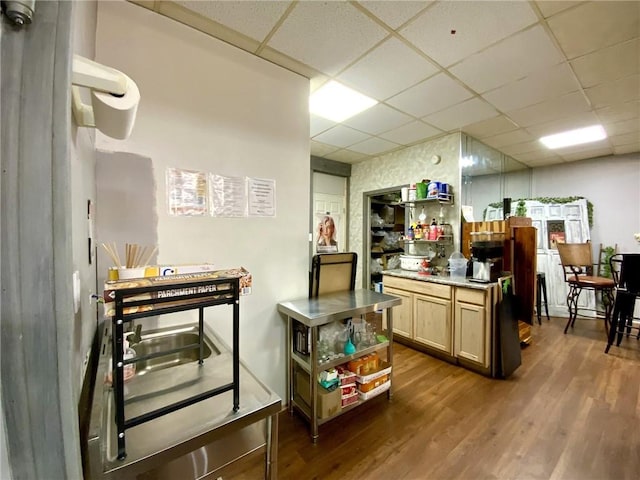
point(329, 403)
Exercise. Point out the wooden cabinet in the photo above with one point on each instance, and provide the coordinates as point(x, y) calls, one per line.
point(472, 326)
point(425, 314)
point(432, 322)
point(402, 314)
point(449, 321)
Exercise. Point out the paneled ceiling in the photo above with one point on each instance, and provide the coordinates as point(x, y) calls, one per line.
point(504, 72)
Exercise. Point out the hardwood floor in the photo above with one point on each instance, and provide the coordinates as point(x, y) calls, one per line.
point(569, 412)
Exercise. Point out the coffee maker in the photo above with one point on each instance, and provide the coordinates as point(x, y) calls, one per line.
point(487, 250)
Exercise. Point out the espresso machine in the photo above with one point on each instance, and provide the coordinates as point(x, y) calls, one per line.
point(487, 250)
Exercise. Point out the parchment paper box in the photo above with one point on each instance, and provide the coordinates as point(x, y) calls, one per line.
point(173, 288)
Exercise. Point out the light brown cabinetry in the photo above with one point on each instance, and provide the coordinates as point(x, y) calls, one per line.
point(451, 321)
point(425, 312)
point(472, 326)
point(402, 314)
point(432, 322)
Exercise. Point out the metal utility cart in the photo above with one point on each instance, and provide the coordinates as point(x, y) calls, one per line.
point(321, 310)
point(145, 297)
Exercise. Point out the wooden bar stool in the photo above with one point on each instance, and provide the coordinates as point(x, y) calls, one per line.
point(541, 290)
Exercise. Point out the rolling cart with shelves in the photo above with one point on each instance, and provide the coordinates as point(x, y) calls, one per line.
point(152, 297)
point(321, 310)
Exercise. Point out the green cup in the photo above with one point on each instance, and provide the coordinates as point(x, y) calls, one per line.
point(421, 190)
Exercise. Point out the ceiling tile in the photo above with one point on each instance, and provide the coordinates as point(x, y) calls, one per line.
point(537, 155)
point(203, 24)
point(465, 113)
point(435, 93)
point(394, 14)
point(608, 64)
point(346, 156)
point(326, 35)
point(509, 138)
point(619, 111)
point(585, 147)
point(377, 119)
point(476, 26)
point(582, 30)
point(388, 69)
point(548, 8)
point(374, 146)
point(624, 149)
point(626, 126)
point(252, 18)
point(341, 136)
point(410, 133)
point(584, 119)
point(560, 107)
point(625, 139)
point(488, 128)
point(321, 149)
point(524, 147)
point(318, 124)
point(534, 88)
point(542, 161)
point(593, 153)
point(509, 60)
point(622, 90)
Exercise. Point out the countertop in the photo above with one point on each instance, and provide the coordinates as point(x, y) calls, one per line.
point(155, 443)
point(335, 306)
point(453, 281)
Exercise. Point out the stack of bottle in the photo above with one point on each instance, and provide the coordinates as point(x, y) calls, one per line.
point(418, 231)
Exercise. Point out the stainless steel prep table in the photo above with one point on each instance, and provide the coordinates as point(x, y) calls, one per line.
point(314, 312)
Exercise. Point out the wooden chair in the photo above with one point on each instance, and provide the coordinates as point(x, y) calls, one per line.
point(332, 272)
point(577, 264)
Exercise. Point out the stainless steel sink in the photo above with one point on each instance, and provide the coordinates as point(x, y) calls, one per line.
point(192, 442)
point(162, 340)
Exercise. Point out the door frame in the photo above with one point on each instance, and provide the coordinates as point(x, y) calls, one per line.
point(366, 229)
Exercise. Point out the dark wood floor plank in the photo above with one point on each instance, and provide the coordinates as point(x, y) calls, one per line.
point(569, 412)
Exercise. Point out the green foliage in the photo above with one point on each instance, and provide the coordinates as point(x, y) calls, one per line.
point(521, 209)
point(605, 267)
point(551, 200)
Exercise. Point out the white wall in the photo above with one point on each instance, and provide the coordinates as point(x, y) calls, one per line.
point(612, 184)
point(209, 106)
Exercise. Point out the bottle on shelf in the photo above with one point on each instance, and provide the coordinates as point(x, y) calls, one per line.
point(433, 230)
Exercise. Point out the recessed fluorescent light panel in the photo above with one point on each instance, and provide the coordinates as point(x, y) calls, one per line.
point(574, 137)
point(336, 102)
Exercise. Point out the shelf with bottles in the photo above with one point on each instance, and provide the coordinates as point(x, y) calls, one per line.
point(443, 198)
point(442, 239)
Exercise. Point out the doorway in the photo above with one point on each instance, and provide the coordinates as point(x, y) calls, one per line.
point(384, 226)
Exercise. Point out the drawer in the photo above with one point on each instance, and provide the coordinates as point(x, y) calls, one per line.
point(417, 286)
point(469, 295)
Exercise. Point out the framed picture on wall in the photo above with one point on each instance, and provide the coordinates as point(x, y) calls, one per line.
point(556, 233)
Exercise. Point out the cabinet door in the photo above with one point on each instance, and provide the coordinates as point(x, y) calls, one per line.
point(432, 322)
point(403, 313)
point(470, 332)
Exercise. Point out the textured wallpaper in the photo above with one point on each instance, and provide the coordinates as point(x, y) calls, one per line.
point(401, 168)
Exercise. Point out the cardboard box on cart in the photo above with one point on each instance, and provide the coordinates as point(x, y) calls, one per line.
point(329, 402)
